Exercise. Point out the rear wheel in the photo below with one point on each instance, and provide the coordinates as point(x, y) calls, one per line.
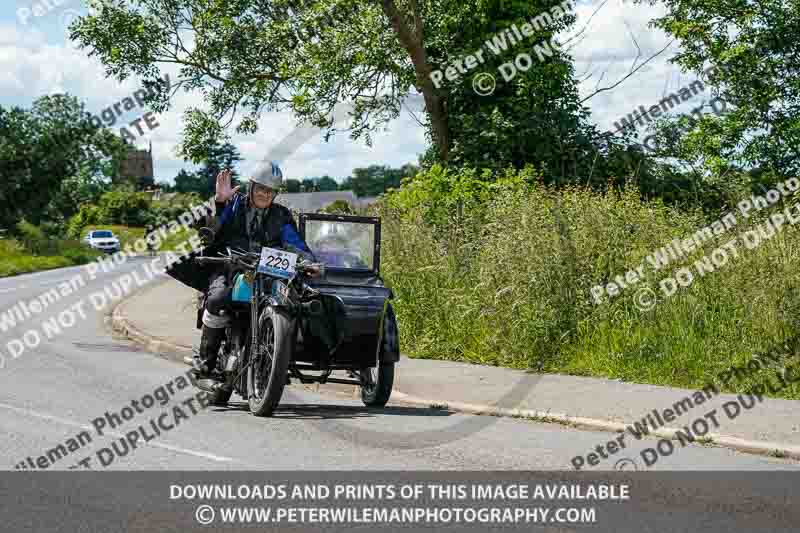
point(377, 381)
point(266, 376)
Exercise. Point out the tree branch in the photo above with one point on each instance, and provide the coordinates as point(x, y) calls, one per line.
point(631, 73)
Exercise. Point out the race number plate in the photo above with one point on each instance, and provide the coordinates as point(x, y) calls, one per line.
point(277, 263)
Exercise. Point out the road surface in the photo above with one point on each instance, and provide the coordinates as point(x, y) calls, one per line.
point(50, 394)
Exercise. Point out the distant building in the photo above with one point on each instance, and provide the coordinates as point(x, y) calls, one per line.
point(137, 168)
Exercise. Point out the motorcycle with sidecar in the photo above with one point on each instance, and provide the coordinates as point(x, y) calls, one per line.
point(287, 325)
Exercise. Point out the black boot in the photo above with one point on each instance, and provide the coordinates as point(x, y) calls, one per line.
point(206, 361)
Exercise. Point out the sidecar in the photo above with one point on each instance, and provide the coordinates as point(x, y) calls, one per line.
point(365, 335)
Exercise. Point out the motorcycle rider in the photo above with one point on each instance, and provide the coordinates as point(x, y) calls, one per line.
point(246, 222)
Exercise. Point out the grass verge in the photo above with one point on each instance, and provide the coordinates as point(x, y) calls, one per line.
point(15, 259)
point(510, 286)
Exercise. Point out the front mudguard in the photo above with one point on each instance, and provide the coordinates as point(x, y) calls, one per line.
point(291, 334)
point(389, 342)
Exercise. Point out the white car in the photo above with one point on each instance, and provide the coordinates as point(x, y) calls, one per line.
point(102, 240)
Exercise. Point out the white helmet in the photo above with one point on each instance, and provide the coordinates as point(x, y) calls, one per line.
point(269, 175)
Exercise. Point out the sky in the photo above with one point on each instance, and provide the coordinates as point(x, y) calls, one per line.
point(37, 58)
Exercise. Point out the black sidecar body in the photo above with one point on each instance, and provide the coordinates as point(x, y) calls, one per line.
point(367, 330)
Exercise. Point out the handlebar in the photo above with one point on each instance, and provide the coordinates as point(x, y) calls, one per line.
point(211, 260)
point(232, 260)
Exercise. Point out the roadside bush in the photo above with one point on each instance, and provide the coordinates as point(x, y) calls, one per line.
point(34, 240)
point(9, 247)
point(165, 211)
point(124, 207)
point(86, 215)
point(115, 207)
point(445, 196)
point(338, 207)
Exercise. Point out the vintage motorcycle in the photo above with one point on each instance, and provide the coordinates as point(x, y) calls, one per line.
point(284, 324)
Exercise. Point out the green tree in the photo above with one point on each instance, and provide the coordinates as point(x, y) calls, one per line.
point(124, 207)
point(310, 55)
point(84, 187)
point(52, 159)
point(166, 186)
point(292, 185)
point(327, 183)
point(219, 157)
point(754, 49)
point(346, 184)
point(536, 117)
point(203, 181)
point(186, 182)
point(378, 179)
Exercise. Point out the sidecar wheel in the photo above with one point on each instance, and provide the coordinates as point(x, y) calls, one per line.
point(376, 393)
point(377, 381)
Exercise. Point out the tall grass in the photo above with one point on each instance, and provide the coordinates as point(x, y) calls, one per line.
point(511, 287)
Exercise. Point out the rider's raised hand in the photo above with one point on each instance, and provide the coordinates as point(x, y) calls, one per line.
point(224, 191)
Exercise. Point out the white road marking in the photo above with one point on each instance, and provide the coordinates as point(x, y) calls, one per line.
point(51, 418)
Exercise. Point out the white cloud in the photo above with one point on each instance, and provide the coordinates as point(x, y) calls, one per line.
point(608, 50)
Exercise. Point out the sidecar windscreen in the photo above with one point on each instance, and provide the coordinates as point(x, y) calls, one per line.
point(343, 242)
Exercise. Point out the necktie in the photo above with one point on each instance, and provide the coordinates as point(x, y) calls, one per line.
point(255, 224)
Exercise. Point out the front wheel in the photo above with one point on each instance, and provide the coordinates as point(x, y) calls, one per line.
point(266, 376)
point(377, 381)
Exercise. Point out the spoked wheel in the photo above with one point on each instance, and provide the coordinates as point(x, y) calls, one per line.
point(377, 381)
point(266, 376)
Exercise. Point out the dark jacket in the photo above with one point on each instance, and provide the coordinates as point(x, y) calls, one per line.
point(278, 230)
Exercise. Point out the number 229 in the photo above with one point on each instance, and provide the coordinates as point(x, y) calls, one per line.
point(277, 262)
